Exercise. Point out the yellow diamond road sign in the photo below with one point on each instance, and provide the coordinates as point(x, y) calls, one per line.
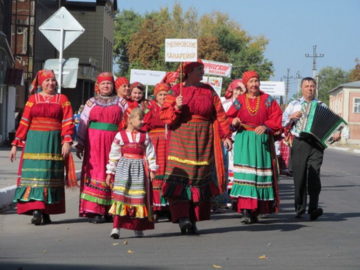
point(61, 29)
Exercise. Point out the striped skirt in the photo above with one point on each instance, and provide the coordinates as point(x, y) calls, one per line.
point(41, 174)
point(253, 173)
point(129, 195)
point(190, 162)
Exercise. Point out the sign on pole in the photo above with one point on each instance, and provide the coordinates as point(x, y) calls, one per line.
point(180, 50)
point(61, 29)
point(147, 77)
point(217, 68)
point(215, 82)
point(70, 70)
point(273, 88)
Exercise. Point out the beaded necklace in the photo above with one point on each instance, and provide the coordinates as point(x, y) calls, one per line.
point(252, 111)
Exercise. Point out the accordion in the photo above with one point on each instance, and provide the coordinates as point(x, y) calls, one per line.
point(320, 124)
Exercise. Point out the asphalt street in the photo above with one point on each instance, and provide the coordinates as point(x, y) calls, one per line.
point(278, 242)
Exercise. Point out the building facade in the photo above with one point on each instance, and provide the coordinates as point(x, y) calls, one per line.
point(24, 50)
point(345, 101)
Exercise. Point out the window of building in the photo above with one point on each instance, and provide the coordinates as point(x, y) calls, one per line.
point(356, 105)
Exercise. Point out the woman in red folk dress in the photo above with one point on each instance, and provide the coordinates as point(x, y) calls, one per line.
point(45, 132)
point(198, 123)
point(158, 135)
point(99, 122)
point(256, 116)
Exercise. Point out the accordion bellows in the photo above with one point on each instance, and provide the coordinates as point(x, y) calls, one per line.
point(321, 124)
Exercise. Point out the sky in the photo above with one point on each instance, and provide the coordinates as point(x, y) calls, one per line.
point(292, 27)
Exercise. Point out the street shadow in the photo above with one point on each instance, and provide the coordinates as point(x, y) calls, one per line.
point(323, 187)
point(44, 266)
point(70, 221)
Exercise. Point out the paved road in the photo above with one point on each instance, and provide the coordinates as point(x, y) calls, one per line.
point(278, 242)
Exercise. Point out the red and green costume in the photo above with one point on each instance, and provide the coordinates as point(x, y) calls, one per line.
point(45, 125)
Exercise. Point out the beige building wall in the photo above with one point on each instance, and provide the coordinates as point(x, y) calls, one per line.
point(342, 102)
point(354, 118)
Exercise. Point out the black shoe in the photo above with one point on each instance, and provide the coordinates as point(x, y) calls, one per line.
point(37, 216)
point(185, 225)
point(299, 214)
point(254, 218)
point(46, 219)
point(246, 218)
point(193, 230)
point(108, 218)
point(314, 214)
point(97, 219)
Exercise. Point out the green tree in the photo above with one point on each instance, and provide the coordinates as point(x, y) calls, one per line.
point(355, 72)
point(127, 23)
point(329, 78)
point(219, 39)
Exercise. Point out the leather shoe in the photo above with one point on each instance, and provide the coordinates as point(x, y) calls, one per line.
point(316, 213)
point(185, 225)
point(46, 219)
point(37, 216)
point(299, 214)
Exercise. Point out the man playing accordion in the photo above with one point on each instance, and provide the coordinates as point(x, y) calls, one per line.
point(306, 155)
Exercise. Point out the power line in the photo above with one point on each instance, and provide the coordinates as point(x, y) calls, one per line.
point(314, 56)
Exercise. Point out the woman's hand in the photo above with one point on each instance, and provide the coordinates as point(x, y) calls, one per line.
point(228, 144)
point(152, 175)
point(12, 154)
point(236, 122)
point(178, 102)
point(260, 129)
point(109, 180)
point(65, 150)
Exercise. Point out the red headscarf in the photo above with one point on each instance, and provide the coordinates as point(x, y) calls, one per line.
point(40, 77)
point(137, 85)
point(161, 87)
point(170, 77)
point(104, 76)
point(230, 90)
point(188, 67)
point(121, 81)
point(247, 75)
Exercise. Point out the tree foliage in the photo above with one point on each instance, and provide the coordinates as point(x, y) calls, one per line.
point(139, 40)
point(329, 78)
point(355, 72)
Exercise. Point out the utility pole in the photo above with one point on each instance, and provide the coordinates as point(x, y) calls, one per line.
point(314, 56)
point(287, 79)
point(298, 78)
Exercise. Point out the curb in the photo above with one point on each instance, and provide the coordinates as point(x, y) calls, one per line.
point(7, 194)
point(351, 150)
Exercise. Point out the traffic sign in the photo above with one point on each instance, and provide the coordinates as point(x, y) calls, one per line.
point(61, 29)
point(61, 20)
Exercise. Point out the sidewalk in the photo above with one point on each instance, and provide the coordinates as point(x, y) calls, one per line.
point(354, 148)
point(8, 175)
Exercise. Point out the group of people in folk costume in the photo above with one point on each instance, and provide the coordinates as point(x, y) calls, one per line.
point(143, 158)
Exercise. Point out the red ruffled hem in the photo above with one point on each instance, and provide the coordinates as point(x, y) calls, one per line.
point(258, 206)
point(28, 207)
point(186, 209)
point(88, 209)
point(137, 224)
